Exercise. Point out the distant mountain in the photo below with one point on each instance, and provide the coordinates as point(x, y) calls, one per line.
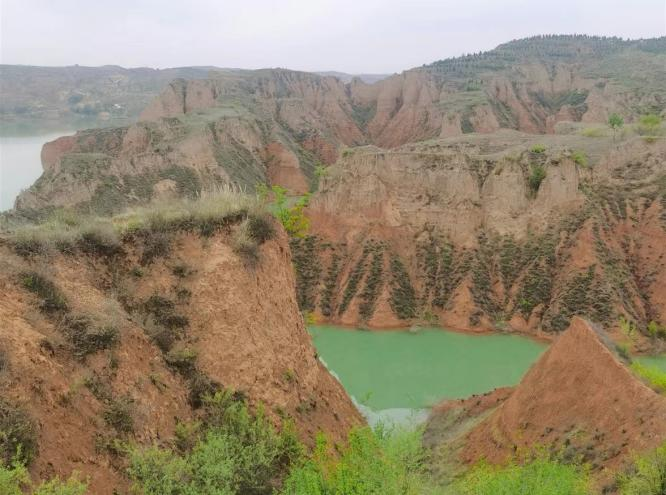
point(108, 92)
point(66, 93)
point(345, 77)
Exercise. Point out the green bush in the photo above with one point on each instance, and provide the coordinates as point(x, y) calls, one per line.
point(14, 480)
point(539, 476)
point(537, 175)
point(647, 476)
point(538, 148)
point(652, 375)
point(580, 158)
point(655, 330)
point(240, 453)
point(373, 463)
point(650, 125)
point(293, 218)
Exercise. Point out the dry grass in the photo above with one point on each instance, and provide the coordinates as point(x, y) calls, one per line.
point(69, 232)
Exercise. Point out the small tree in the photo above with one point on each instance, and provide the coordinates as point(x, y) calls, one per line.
point(615, 122)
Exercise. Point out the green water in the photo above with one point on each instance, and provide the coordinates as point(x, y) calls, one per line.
point(654, 361)
point(400, 370)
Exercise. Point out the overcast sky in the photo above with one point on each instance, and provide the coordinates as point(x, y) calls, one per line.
point(347, 35)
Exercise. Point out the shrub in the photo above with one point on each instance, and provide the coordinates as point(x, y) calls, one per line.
point(293, 218)
point(14, 480)
point(539, 476)
point(647, 476)
point(183, 360)
point(373, 462)
point(652, 375)
point(52, 299)
point(118, 415)
point(538, 148)
point(580, 158)
point(85, 337)
point(18, 435)
point(649, 125)
point(655, 330)
point(537, 175)
point(239, 453)
point(201, 386)
point(164, 312)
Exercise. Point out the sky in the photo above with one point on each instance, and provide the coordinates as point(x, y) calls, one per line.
point(355, 36)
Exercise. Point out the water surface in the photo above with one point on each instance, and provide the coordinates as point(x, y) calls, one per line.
point(653, 361)
point(20, 161)
point(400, 371)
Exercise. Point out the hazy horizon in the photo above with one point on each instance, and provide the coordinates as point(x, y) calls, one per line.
point(355, 37)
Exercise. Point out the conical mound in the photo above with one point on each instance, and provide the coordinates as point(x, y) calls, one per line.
point(579, 397)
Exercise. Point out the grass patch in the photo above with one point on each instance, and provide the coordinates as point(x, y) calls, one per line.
point(69, 232)
point(654, 377)
point(372, 462)
point(540, 476)
point(647, 475)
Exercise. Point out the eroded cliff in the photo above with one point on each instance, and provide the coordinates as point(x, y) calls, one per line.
point(110, 338)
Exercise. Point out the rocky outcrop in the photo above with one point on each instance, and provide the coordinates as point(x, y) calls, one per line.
point(579, 397)
point(236, 327)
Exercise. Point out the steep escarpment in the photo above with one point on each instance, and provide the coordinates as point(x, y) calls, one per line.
point(501, 231)
point(280, 126)
point(106, 339)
